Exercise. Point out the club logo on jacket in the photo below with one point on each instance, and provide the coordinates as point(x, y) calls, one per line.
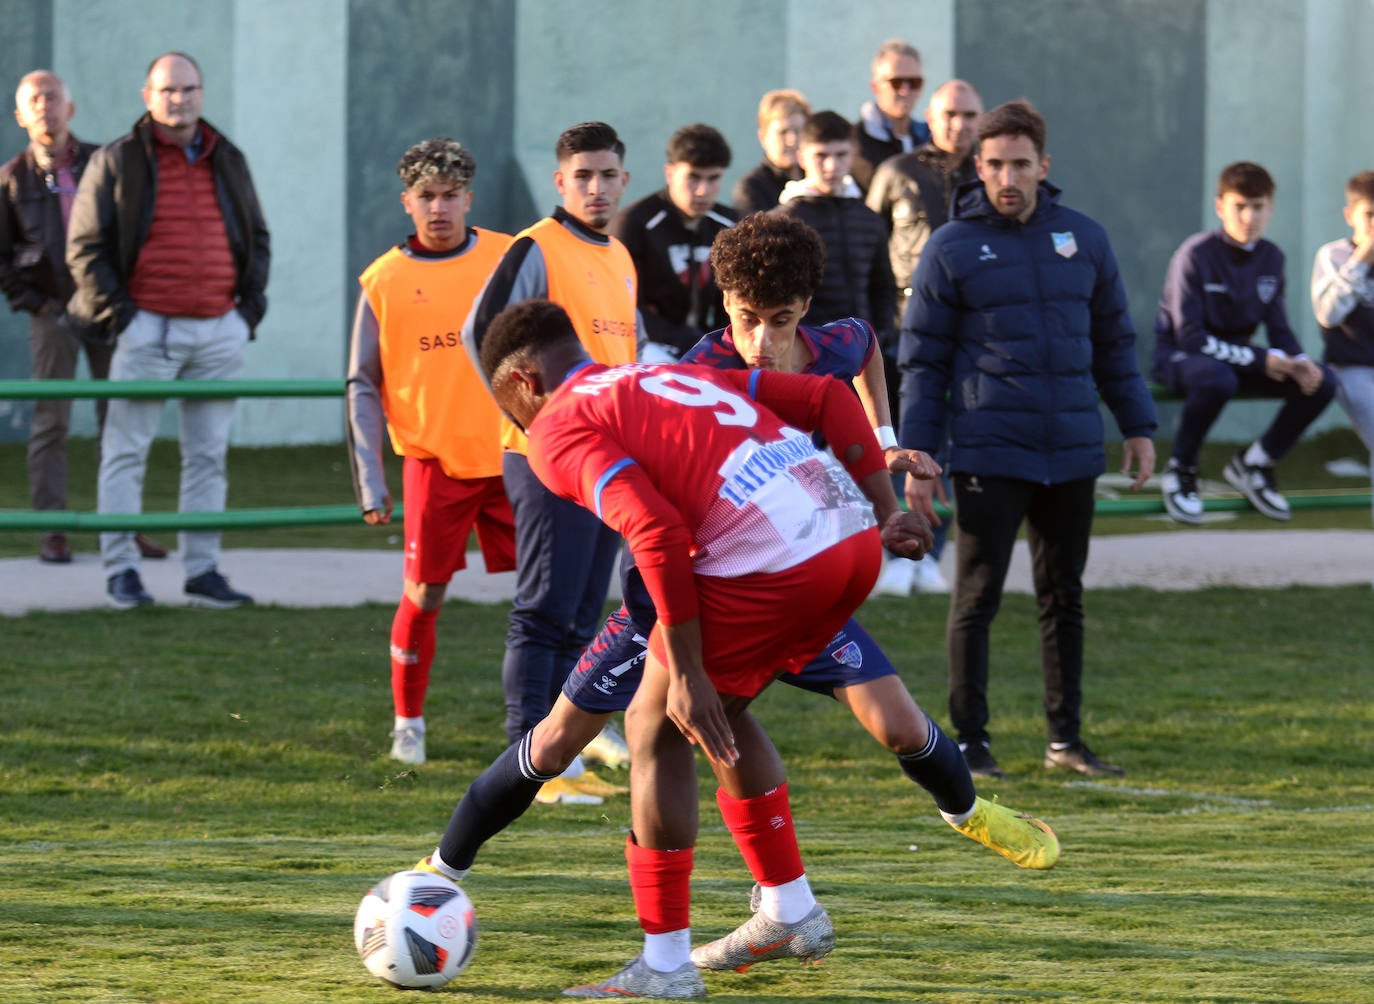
point(1064, 244)
point(1266, 287)
point(986, 253)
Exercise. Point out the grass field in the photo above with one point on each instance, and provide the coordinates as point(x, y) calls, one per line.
point(192, 804)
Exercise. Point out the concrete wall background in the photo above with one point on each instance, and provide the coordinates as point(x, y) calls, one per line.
point(1146, 100)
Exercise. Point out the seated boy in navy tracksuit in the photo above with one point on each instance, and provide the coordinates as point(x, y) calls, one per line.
point(1220, 287)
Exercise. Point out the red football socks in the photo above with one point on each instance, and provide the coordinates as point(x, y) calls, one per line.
point(412, 655)
point(763, 832)
point(662, 885)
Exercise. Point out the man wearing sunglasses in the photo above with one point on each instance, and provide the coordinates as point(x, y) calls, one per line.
point(886, 126)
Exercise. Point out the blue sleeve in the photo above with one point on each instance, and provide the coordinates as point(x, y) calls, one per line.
point(1116, 370)
point(925, 351)
point(1183, 311)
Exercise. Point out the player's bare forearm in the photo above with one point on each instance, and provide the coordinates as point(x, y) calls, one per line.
point(692, 703)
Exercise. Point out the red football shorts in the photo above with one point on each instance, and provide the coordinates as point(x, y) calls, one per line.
point(755, 626)
point(440, 514)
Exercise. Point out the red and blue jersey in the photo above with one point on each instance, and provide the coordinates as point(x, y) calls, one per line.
point(839, 349)
point(705, 472)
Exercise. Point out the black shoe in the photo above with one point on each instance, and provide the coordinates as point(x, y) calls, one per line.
point(1081, 759)
point(1259, 487)
point(55, 550)
point(979, 760)
point(210, 589)
point(125, 591)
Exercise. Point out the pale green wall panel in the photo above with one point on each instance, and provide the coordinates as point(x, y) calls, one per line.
point(648, 68)
point(289, 119)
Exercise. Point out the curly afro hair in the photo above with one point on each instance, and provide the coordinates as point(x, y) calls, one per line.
point(440, 157)
point(768, 259)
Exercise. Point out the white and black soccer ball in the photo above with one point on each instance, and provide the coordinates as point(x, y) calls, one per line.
point(415, 930)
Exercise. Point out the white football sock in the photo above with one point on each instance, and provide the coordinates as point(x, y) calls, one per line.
point(1256, 457)
point(457, 874)
point(960, 818)
point(575, 769)
point(666, 952)
point(410, 723)
point(789, 902)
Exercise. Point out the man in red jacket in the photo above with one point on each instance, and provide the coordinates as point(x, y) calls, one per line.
point(169, 253)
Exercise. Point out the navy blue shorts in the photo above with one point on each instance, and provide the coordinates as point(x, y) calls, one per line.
point(610, 668)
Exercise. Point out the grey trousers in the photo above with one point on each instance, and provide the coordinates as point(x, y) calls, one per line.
point(155, 347)
point(55, 354)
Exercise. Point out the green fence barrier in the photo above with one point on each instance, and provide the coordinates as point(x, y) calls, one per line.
point(337, 515)
point(34, 390)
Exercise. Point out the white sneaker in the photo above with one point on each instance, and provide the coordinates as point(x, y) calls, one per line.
point(928, 577)
point(1178, 485)
point(897, 579)
point(408, 746)
point(1257, 484)
point(608, 748)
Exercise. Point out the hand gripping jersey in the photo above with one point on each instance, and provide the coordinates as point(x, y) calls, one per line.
point(701, 470)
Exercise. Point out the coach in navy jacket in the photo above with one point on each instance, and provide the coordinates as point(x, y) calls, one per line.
point(1017, 323)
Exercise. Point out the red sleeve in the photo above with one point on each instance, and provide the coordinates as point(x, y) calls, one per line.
point(590, 468)
point(817, 404)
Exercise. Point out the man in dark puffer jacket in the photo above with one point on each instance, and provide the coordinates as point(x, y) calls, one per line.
point(1017, 323)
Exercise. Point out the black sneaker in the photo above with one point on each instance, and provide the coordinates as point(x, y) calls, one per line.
point(979, 760)
point(124, 590)
point(1078, 757)
point(1259, 487)
point(211, 590)
point(1178, 485)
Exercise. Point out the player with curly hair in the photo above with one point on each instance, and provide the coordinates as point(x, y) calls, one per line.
point(409, 376)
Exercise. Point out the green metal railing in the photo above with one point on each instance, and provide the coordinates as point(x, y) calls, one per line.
point(336, 515)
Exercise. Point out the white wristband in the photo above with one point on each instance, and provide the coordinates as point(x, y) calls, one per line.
point(887, 439)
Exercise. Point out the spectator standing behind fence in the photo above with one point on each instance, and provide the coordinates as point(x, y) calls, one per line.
point(669, 235)
point(1343, 300)
point(886, 126)
point(169, 254)
point(564, 555)
point(37, 187)
point(1017, 323)
point(781, 116)
point(1220, 287)
point(408, 374)
point(911, 192)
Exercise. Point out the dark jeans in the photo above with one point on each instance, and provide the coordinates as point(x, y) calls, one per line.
point(1207, 384)
point(988, 512)
point(55, 352)
point(564, 557)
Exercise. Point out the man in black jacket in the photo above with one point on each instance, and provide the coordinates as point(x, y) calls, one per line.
point(858, 279)
point(36, 191)
point(911, 192)
point(669, 235)
point(169, 253)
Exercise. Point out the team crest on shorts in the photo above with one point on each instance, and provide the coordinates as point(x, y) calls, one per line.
point(1064, 244)
point(849, 654)
point(1266, 286)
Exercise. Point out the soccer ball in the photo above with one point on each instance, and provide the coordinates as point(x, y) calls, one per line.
point(415, 930)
